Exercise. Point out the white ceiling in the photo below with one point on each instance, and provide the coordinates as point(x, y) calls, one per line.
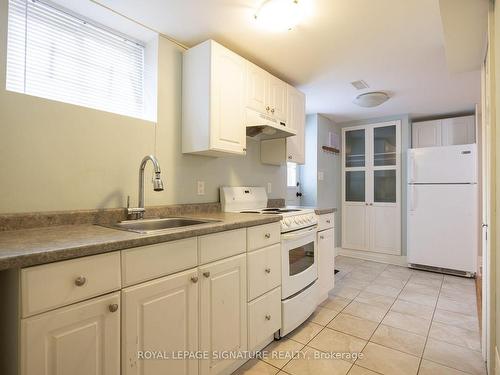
point(394, 45)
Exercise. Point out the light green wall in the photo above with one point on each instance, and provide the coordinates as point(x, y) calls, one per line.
point(405, 145)
point(57, 156)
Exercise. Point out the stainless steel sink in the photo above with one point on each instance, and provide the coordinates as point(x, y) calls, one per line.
point(158, 225)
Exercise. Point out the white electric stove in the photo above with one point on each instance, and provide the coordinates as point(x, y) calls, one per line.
point(299, 257)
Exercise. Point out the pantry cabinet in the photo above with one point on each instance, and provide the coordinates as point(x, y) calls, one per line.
point(213, 101)
point(371, 188)
point(161, 316)
point(326, 255)
point(444, 132)
point(223, 312)
point(81, 339)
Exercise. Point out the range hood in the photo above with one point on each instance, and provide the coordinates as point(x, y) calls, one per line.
point(261, 126)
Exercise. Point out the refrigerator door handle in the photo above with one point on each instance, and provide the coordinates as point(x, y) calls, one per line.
point(413, 198)
point(411, 168)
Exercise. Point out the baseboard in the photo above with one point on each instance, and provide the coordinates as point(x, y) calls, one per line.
point(398, 260)
point(336, 251)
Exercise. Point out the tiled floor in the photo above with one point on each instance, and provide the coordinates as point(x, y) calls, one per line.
point(403, 321)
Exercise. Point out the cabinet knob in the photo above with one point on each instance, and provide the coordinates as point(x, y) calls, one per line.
point(80, 281)
point(268, 270)
point(366, 204)
point(268, 108)
point(371, 204)
point(322, 237)
point(268, 317)
point(206, 274)
point(113, 307)
point(290, 157)
point(194, 279)
point(267, 235)
point(272, 110)
point(328, 221)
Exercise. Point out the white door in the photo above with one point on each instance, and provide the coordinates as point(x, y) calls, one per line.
point(384, 194)
point(426, 134)
point(442, 222)
point(355, 223)
point(278, 99)
point(458, 131)
point(81, 339)
point(228, 132)
point(257, 88)
point(223, 312)
point(161, 316)
point(326, 249)
point(295, 146)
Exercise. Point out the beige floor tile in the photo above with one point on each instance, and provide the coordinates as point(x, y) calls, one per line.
point(305, 332)
point(351, 282)
point(329, 340)
point(322, 316)
point(256, 367)
point(399, 339)
point(365, 311)
point(382, 289)
point(432, 291)
point(463, 306)
point(421, 280)
point(395, 283)
point(278, 353)
point(308, 363)
point(353, 325)
point(375, 299)
point(455, 335)
point(358, 370)
point(427, 275)
point(388, 361)
point(468, 322)
point(419, 298)
point(345, 291)
point(407, 322)
point(457, 290)
point(364, 274)
point(336, 303)
point(454, 356)
point(410, 308)
point(432, 368)
point(457, 280)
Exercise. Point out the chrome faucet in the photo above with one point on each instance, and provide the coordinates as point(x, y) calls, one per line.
point(138, 212)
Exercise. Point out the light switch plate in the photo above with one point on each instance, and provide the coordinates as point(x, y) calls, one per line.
point(321, 176)
point(201, 187)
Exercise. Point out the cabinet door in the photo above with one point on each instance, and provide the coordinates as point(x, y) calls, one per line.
point(458, 131)
point(278, 99)
point(161, 316)
point(426, 134)
point(296, 120)
point(223, 312)
point(227, 132)
point(326, 249)
point(81, 339)
point(257, 88)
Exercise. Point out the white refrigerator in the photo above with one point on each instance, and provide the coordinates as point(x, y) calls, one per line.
point(443, 208)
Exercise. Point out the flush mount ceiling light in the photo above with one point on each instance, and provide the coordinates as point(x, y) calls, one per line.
point(371, 99)
point(279, 15)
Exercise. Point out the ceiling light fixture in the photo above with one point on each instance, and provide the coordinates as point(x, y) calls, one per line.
point(279, 15)
point(371, 99)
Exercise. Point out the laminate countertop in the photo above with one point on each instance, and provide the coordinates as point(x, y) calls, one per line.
point(28, 247)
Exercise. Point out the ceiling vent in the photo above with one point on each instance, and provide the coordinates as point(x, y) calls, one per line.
point(360, 85)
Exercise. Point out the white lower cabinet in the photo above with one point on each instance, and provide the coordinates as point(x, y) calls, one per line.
point(264, 319)
point(160, 316)
point(326, 256)
point(81, 339)
point(264, 270)
point(223, 313)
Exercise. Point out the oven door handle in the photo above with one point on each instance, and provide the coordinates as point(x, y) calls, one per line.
point(298, 234)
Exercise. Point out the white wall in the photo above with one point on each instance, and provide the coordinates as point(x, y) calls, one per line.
point(57, 156)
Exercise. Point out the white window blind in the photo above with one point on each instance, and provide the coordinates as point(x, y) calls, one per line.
point(291, 176)
point(58, 55)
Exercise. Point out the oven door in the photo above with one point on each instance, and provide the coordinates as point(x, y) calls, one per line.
point(299, 259)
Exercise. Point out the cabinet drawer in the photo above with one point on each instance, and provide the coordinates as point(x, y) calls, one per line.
point(57, 284)
point(222, 245)
point(325, 221)
point(264, 270)
point(264, 318)
point(263, 235)
point(148, 262)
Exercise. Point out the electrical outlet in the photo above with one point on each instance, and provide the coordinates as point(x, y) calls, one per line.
point(201, 187)
point(269, 188)
point(321, 175)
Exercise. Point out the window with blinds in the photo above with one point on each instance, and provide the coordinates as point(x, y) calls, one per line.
point(55, 54)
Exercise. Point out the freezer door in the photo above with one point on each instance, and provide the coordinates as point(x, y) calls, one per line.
point(448, 164)
point(442, 226)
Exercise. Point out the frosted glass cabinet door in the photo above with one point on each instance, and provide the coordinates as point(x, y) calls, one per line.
point(384, 186)
point(384, 146)
point(355, 148)
point(355, 186)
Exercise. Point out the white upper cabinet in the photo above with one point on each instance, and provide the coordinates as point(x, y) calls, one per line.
point(278, 96)
point(257, 88)
point(444, 132)
point(296, 120)
point(213, 101)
